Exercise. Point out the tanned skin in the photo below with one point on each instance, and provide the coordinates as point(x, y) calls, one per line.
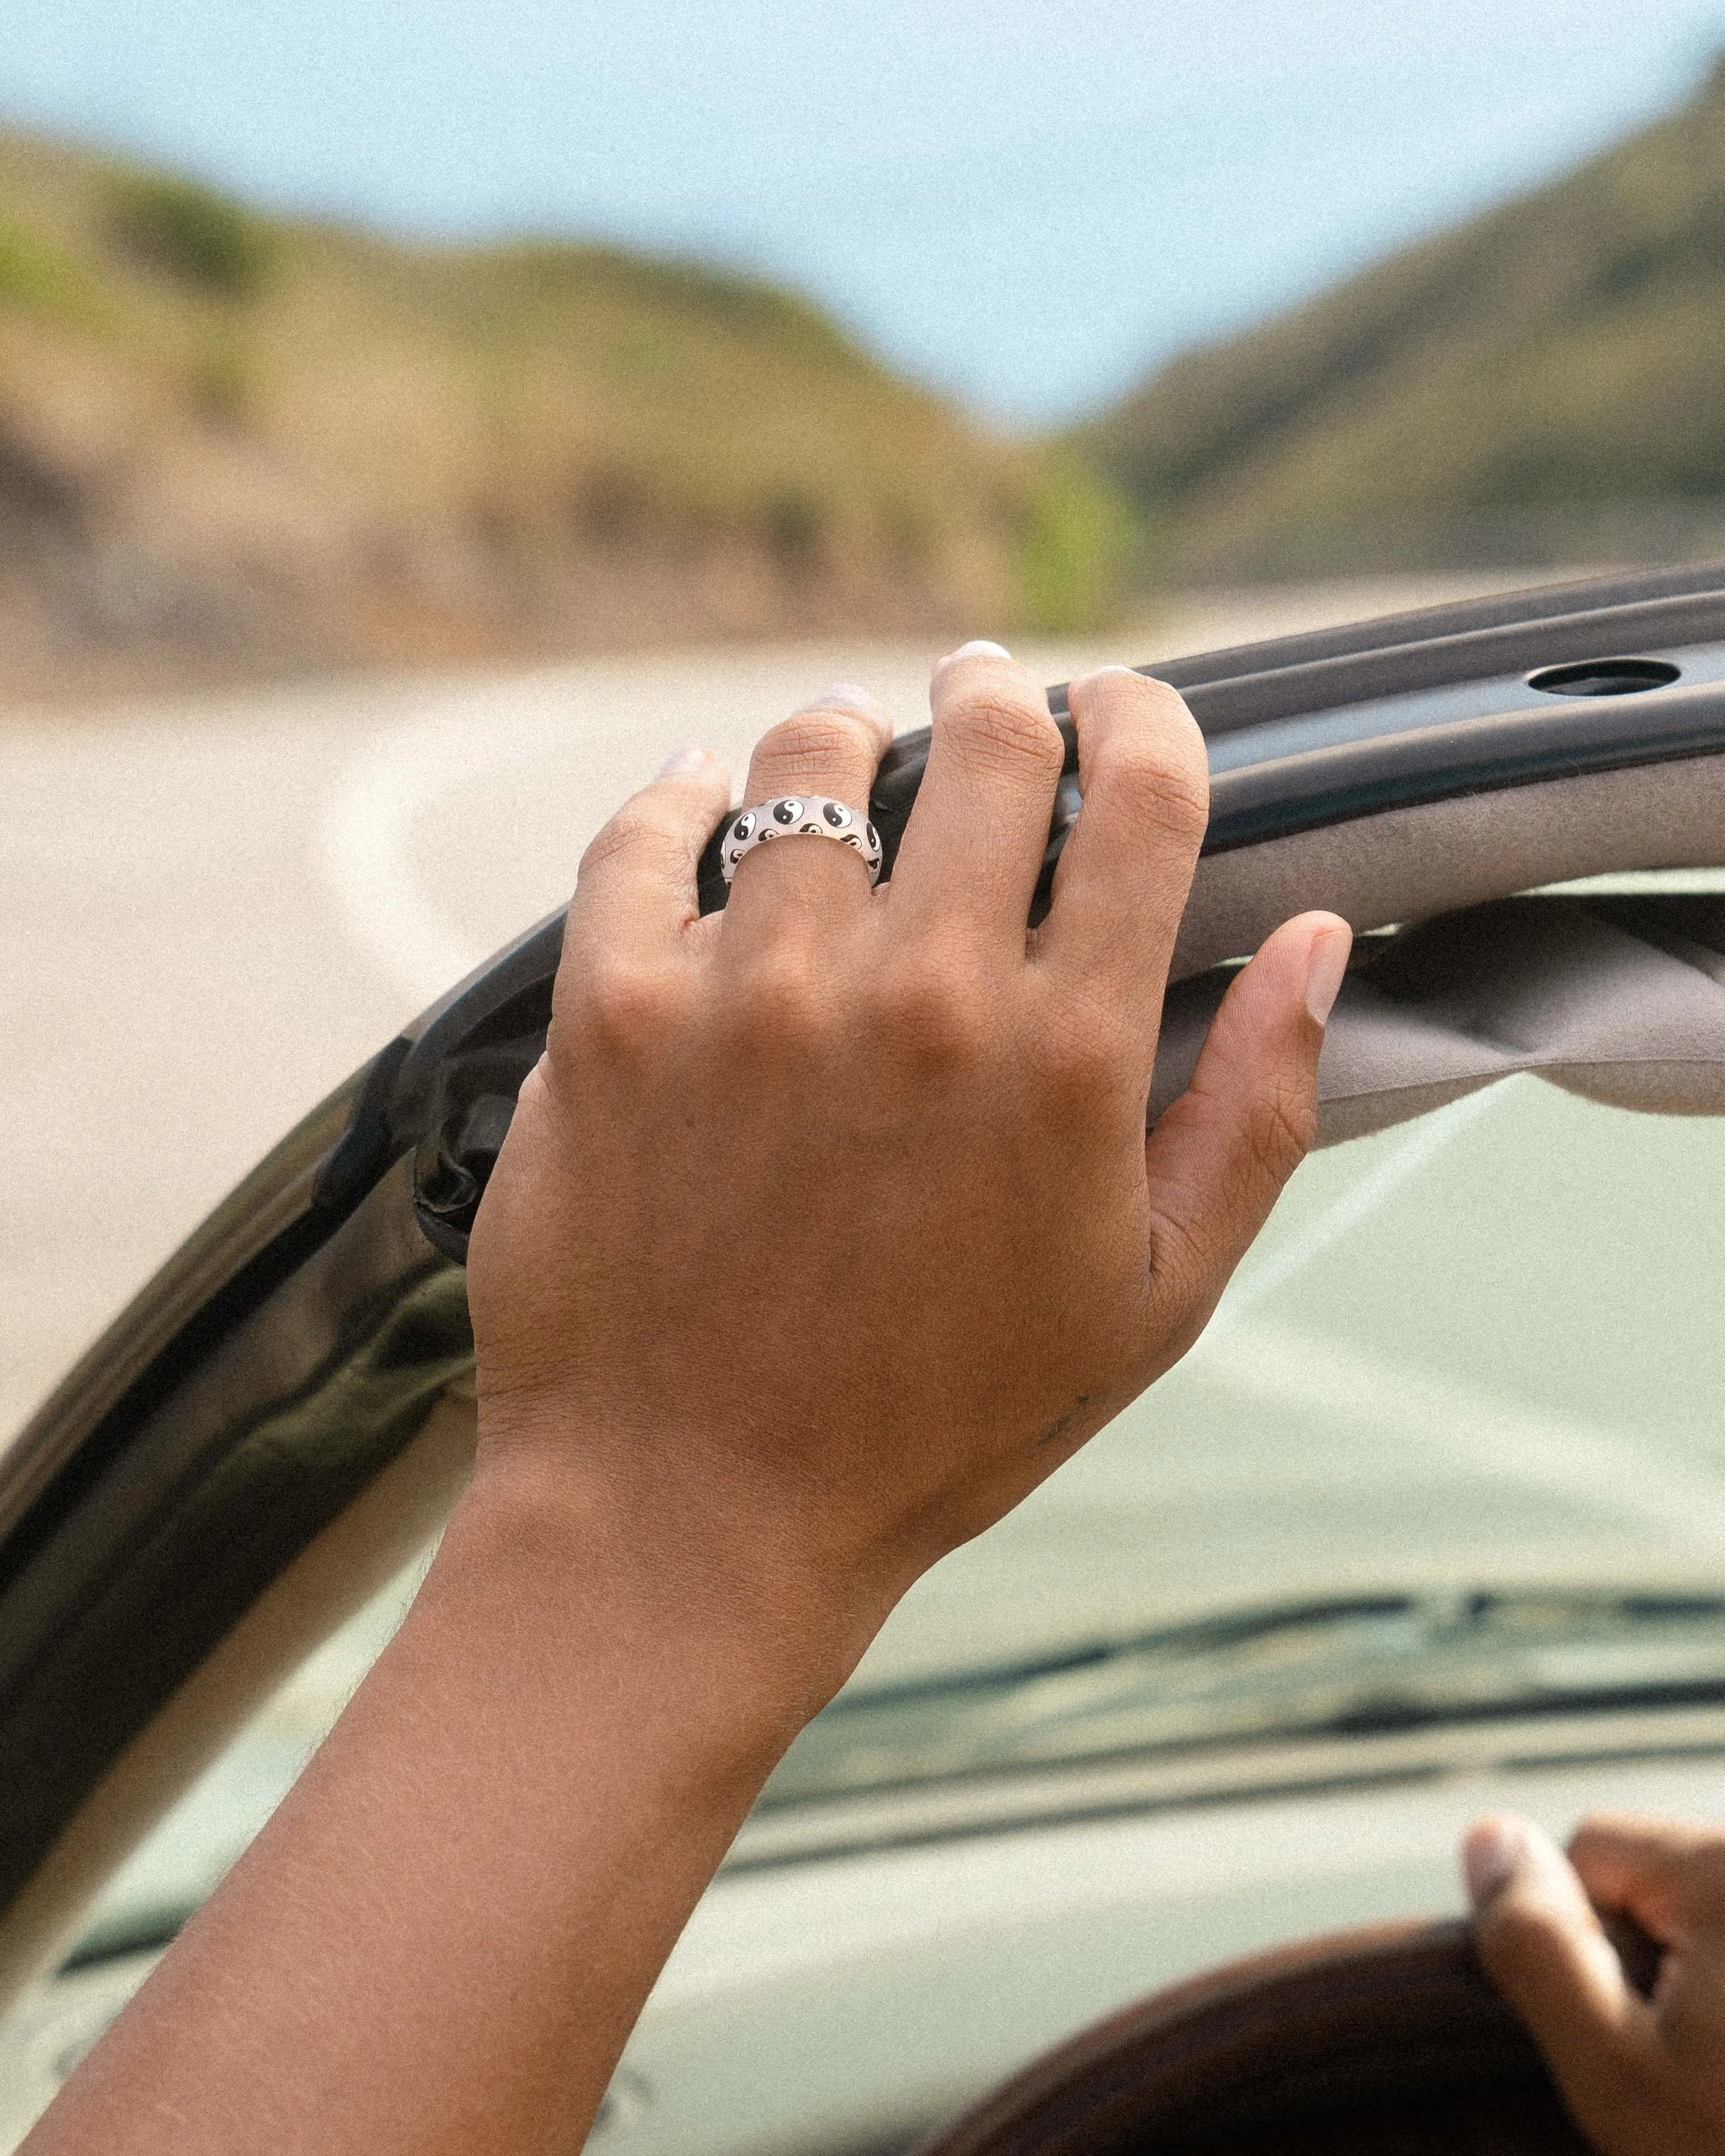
point(1641, 2077)
point(826, 1229)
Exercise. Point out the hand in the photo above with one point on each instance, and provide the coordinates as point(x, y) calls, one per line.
point(1641, 2077)
point(824, 1230)
point(827, 1228)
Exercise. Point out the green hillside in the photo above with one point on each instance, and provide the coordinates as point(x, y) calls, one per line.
point(229, 443)
point(1554, 366)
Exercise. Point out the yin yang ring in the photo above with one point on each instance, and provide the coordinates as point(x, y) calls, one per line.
point(799, 816)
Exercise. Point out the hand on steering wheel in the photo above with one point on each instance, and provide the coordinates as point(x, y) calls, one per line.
point(1641, 2076)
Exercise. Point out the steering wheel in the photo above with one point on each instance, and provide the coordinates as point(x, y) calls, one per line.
point(1382, 2042)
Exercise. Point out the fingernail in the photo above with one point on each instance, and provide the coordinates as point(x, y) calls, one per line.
point(978, 647)
point(1493, 1852)
point(845, 696)
point(686, 763)
point(1324, 970)
point(1093, 674)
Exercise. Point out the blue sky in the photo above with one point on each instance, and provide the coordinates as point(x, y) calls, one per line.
point(1026, 202)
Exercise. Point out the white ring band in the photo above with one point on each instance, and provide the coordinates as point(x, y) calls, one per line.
point(799, 816)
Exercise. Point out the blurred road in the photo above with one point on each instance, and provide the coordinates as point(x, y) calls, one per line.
point(211, 909)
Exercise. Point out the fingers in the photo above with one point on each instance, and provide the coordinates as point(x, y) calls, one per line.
point(635, 890)
point(1543, 1948)
point(831, 747)
point(972, 849)
point(1123, 877)
point(1219, 1155)
point(1663, 1874)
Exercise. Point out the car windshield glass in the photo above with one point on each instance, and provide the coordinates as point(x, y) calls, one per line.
point(1479, 1352)
point(1449, 1453)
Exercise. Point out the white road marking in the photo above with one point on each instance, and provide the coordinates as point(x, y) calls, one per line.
point(369, 820)
point(575, 741)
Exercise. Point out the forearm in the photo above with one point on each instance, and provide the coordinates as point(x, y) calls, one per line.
point(825, 1229)
point(441, 1940)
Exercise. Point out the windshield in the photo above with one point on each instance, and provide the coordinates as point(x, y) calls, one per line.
point(1450, 1456)
point(1482, 1352)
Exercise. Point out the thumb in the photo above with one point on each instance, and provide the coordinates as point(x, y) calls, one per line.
point(1543, 1947)
point(1217, 1158)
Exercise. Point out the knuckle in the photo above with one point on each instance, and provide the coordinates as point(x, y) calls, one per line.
point(997, 734)
point(1281, 1132)
point(784, 1002)
point(1173, 715)
point(1089, 1055)
point(636, 832)
point(813, 738)
point(1598, 1833)
point(620, 1009)
point(1170, 793)
point(935, 1011)
point(1180, 1260)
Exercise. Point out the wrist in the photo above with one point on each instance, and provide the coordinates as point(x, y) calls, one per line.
point(660, 1577)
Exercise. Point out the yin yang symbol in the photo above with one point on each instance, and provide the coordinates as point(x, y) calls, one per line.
point(837, 815)
point(786, 812)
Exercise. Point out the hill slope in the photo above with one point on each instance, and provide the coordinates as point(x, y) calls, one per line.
point(229, 443)
point(1560, 352)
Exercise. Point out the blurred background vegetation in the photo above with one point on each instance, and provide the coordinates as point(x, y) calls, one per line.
point(236, 445)
point(1542, 385)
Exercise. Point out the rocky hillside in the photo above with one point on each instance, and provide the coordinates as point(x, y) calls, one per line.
point(235, 444)
point(1552, 369)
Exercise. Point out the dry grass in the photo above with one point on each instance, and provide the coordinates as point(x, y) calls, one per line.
point(228, 443)
point(1560, 355)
